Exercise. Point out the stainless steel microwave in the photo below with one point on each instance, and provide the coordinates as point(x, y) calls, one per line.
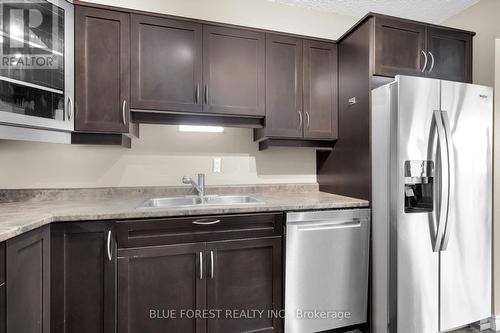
point(37, 64)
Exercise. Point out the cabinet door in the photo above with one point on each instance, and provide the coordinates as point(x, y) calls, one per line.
point(245, 275)
point(155, 284)
point(399, 47)
point(28, 282)
point(320, 90)
point(102, 68)
point(83, 278)
point(166, 64)
point(452, 54)
point(2, 308)
point(2, 288)
point(233, 71)
point(284, 116)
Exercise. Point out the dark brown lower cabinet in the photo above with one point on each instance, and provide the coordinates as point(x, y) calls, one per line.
point(83, 278)
point(2, 288)
point(245, 279)
point(28, 282)
point(74, 278)
point(2, 307)
point(161, 287)
point(156, 284)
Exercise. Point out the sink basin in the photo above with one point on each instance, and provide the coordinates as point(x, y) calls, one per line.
point(230, 200)
point(195, 201)
point(172, 202)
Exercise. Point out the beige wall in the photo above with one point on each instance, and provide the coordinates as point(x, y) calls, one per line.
point(252, 13)
point(483, 18)
point(162, 155)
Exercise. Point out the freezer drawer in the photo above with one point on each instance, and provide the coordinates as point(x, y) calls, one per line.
point(326, 272)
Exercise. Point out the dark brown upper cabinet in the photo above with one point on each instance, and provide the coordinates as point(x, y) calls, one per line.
point(166, 64)
point(83, 277)
point(28, 282)
point(371, 54)
point(233, 71)
point(399, 47)
point(320, 90)
point(403, 47)
point(284, 114)
point(451, 54)
point(102, 70)
point(301, 90)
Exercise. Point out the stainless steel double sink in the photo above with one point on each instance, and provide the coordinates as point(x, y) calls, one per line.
point(197, 201)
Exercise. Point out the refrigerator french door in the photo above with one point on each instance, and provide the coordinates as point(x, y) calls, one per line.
point(432, 205)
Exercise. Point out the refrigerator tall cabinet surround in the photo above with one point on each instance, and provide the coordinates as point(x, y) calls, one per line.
point(432, 205)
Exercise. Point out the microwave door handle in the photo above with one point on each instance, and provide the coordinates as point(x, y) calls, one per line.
point(70, 108)
point(451, 182)
point(444, 179)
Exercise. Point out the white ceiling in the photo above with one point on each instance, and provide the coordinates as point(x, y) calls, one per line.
point(431, 11)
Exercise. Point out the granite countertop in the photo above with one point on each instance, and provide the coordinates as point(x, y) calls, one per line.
point(30, 213)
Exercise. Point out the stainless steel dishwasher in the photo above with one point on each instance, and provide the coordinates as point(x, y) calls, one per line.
point(326, 273)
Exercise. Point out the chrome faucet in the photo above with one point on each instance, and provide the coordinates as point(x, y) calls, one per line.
point(199, 187)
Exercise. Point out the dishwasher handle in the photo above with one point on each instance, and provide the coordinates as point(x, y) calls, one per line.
point(328, 225)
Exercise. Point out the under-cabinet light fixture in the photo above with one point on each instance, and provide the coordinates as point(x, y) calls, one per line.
point(206, 129)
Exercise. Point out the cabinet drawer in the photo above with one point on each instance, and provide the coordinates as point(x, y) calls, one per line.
point(136, 233)
point(2, 263)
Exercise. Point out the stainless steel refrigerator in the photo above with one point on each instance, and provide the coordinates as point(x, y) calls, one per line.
point(432, 205)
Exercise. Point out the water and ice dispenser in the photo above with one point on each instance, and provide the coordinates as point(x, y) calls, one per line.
point(419, 190)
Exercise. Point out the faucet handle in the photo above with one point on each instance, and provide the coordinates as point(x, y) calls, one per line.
point(186, 180)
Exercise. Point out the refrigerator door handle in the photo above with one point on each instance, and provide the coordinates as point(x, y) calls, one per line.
point(447, 131)
point(445, 178)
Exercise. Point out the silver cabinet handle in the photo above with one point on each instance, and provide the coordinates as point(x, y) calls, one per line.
point(124, 116)
point(206, 94)
point(451, 183)
point(425, 61)
point(201, 265)
point(300, 119)
point(445, 178)
point(110, 256)
point(308, 120)
point(206, 222)
point(197, 93)
point(70, 108)
point(432, 62)
point(211, 264)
